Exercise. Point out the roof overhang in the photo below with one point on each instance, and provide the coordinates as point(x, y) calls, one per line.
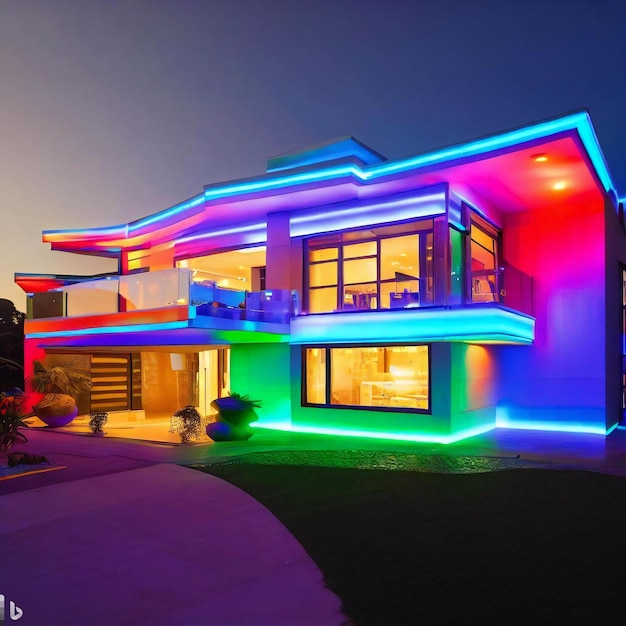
point(499, 167)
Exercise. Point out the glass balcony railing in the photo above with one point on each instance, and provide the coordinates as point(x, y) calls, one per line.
point(506, 285)
point(174, 287)
point(272, 305)
point(147, 290)
point(159, 289)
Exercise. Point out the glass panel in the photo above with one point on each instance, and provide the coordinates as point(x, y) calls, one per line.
point(483, 239)
point(393, 377)
point(322, 300)
point(405, 295)
point(362, 296)
point(399, 254)
point(323, 274)
point(428, 284)
point(484, 265)
point(456, 267)
point(359, 249)
point(316, 376)
point(386, 289)
point(152, 290)
point(359, 271)
point(323, 254)
point(483, 250)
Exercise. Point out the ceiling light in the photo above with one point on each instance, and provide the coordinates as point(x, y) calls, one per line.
point(560, 185)
point(539, 158)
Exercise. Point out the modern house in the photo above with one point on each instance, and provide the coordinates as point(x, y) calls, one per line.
point(428, 298)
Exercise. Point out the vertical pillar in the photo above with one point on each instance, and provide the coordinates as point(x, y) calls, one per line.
point(278, 255)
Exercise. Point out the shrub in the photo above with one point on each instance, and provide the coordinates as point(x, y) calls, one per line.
point(24, 458)
point(11, 420)
point(187, 423)
point(97, 421)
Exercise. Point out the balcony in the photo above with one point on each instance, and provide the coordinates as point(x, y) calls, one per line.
point(163, 289)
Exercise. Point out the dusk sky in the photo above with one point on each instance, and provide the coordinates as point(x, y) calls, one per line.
point(110, 110)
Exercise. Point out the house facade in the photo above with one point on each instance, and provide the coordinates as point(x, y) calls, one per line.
point(429, 298)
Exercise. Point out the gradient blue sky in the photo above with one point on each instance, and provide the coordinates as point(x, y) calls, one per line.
point(112, 110)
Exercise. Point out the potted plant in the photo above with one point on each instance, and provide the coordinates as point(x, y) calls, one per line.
point(187, 423)
point(62, 385)
point(97, 420)
point(11, 420)
point(234, 415)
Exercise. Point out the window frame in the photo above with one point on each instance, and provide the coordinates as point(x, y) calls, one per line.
point(326, 241)
point(328, 378)
point(494, 232)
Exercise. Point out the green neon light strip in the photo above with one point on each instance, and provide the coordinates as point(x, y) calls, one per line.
point(417, 437)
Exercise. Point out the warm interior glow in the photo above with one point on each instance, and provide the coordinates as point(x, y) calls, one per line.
point(385, 272)
point(372, 376)
point(560, 185)
point(233, 269)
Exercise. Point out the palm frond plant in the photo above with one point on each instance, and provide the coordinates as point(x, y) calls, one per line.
point(62, 386)
point(60, 379)
point(11, 420)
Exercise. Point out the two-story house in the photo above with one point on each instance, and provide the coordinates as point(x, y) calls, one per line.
point(428, 298)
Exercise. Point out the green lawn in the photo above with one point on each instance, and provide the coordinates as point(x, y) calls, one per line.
point(525, 546)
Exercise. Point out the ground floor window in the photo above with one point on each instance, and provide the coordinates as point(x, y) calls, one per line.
point(390, 377)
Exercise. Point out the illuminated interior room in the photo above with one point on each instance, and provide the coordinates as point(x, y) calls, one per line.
point(429, 298)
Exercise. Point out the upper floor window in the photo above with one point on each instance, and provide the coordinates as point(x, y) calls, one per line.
point(378, 268)
point(485, 262)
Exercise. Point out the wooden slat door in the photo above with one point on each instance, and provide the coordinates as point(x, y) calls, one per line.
point(111, 382)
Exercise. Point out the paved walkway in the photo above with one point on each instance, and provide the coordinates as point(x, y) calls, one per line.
point(157, 545)
point(122, 536)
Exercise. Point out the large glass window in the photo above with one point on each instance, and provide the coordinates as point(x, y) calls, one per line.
point(380, 268)
point(391, 377)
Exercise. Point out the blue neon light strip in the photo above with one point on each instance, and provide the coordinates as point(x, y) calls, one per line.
point(580, 122)
point(259, 228)
point(391, 210)
point(175, 210)
point(473, 324)
point(547, 426)
point(284, 181)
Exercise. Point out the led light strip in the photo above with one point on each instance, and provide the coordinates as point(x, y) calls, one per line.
point(108, 330)
point(369, 434)
point(581, 122)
